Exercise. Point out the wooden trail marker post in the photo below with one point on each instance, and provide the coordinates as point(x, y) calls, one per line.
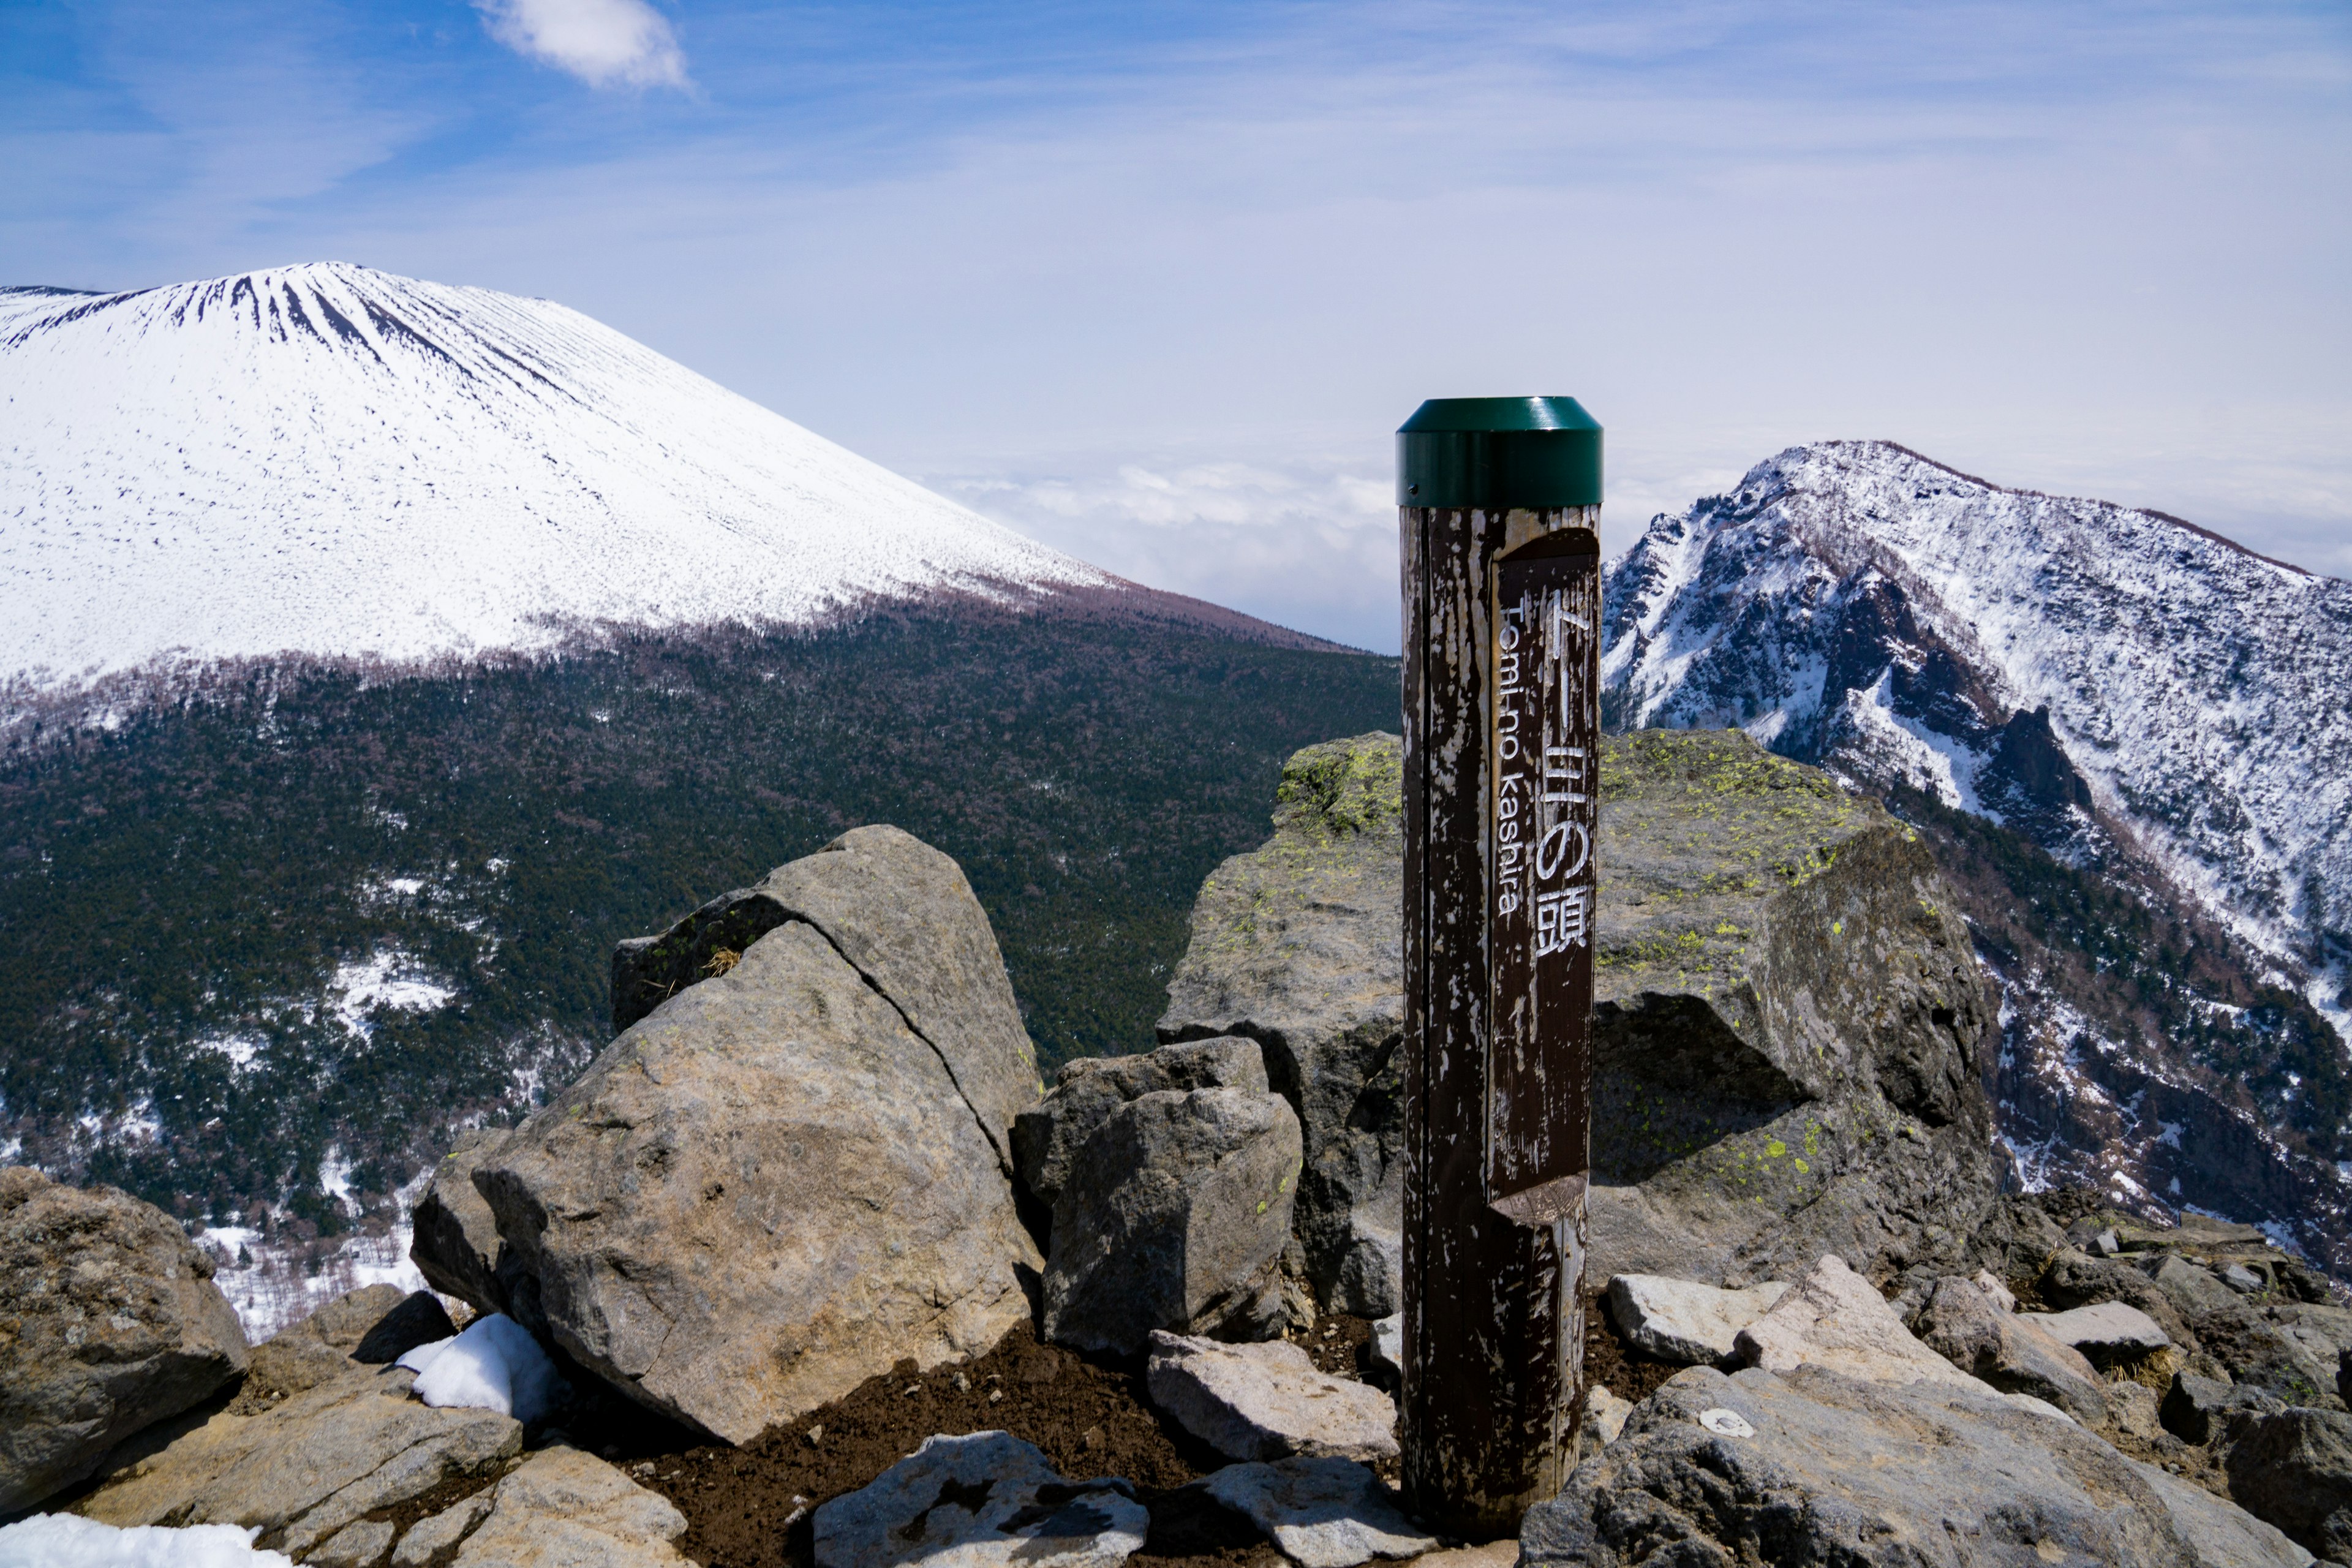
point(1499, 506)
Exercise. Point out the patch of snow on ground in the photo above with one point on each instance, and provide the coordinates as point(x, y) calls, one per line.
point(240, 1050)
point(65, 1541)
point(493, 1365)
point(386, 978)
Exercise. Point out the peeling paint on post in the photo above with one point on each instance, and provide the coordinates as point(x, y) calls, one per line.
point(1499, 509)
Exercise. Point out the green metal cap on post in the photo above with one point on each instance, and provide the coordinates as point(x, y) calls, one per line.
point(1497, 453)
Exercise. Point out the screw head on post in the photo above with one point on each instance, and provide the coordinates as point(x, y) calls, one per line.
point(1498, 453)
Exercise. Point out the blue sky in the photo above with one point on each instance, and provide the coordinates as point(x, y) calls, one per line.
point(1154, 282)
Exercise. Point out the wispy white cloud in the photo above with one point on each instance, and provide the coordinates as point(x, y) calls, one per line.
point(604, 43)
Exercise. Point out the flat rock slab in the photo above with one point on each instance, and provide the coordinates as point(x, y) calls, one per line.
point(1268, 1401)
point(1323, 1513)
point(113, 1323)
point(1835, 1319)
point(2108, 1328)
point(1680, 1320)
point(309, 1467)
point(1831, 1468)
point(979, 1502)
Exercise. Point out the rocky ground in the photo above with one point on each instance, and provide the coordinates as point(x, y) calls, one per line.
point(810, 1268)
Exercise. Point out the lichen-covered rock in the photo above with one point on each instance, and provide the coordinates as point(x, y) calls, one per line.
point(1174, 1217)
point(1298, 944)
point(1048, 1135)
point(793, 1173)
point(1786, 1029)
point(1787, 1024)
point(308, 1469)
point(1819, 1468)
point(109, 1322)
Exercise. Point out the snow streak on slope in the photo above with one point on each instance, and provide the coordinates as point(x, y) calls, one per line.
point(333, 461)
point(1859, 604)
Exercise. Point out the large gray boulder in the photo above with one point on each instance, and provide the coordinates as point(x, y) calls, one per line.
point(109, 1322)
point(454, 1240)
point(902, 915)
point(1048, 1135)
point(1789, 1020)
point(1820, 1467)
point(794, 1173)
point(2294, 1468)
point(1175, 1216)
point(1298, 944)
point(306, 1470)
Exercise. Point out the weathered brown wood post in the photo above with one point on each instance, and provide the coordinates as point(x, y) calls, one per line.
point(1499, 503)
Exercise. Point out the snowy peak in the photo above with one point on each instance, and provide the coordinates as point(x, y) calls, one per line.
point(2048, 661)
point(328, 461)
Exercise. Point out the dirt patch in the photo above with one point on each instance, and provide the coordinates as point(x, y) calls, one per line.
point(751, 1507)
point(1630, 1374)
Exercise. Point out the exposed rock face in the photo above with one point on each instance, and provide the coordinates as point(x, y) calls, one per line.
point(109, 1322)
point(1787, 1026)
point(1787, 1023)
point(1834, 1320)
point(1268, 1401)
point(308, 1469)
point(1677, 1321)
point(1048, 1136)
point(1299, 945)
point(986, 1501)
point(2294, 1469)
point(903, 916)
point(794, 1174)
point(1175, 1216)
point(1828, 1468)
point(1970, 1330)
point(455, 1238)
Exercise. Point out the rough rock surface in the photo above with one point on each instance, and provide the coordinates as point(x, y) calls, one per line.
point(1788, 1026)
point(2109, 1327)
point(1789, 1020)
point(902, 915)
point(109, 1322)
point(372, 1326)
point(773, 1187)
point(455, 1241)
point(1834, 1470)
point(1679, 1320)
point(1048, 1136)
point(1834, 1320)
point(309, 1467)
point(1603, 1421)
point(1268, 1401)
point(986, 1501)
point(1968, 1328)
point(432, 1541)
point(1298, 944)
point(2294, 1468)
point(1175, 1216)
point(2195, 1408)
point(564, 1508)
point(1323, 1513)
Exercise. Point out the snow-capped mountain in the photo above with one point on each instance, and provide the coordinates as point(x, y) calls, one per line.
point(333, 461)
point(2159, 708)
point(1857, 603)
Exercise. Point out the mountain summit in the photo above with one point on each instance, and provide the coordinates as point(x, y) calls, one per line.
point(333, 461)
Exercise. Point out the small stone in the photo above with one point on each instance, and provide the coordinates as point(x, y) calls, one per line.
point(2243, 1281)
point(1604, 1420)
point(1268, 1401)
point(995, 1396)
point(1323, 1513)
point(986, 1501)
point(361, 1545)
point(1998, 1294)
point(2105, 1245)
point(960, 1382)
point(816, 1434)
point(2108, 1328)
point(432, 1540)
point(1679, 1320)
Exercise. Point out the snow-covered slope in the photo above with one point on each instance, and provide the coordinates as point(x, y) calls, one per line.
point(1855, 602)
point(328, 461)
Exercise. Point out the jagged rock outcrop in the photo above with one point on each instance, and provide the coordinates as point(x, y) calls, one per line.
point(1298, 945)
point(1787, 1030)
point(108, 1323)
point(1175, 1216)
point(1825, 1467)
point(454, 1240)
point(794, 1173)
point(1048, 1136)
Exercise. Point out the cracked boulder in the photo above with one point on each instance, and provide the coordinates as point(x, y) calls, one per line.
point(793, 1172)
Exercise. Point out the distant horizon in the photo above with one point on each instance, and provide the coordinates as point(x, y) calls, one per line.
point(1155, 285)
